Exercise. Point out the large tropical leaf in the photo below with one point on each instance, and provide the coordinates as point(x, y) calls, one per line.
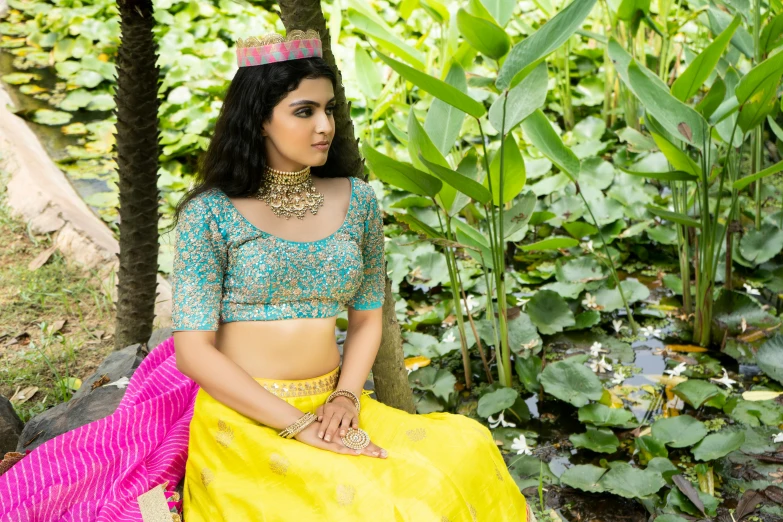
point(522, 100)
point(401, 175)
point(539, 131)
point(513, 172)
point(484, 35)
point(526, 55)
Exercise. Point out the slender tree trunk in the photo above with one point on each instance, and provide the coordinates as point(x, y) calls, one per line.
point(389, 374)
point(137, 152)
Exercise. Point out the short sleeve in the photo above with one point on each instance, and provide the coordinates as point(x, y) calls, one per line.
point(198, 268)
point(371, 292)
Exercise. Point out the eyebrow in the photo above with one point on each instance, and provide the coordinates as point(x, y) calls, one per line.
point(309, 102)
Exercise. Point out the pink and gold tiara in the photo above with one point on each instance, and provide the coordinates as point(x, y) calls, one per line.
point(274, 47)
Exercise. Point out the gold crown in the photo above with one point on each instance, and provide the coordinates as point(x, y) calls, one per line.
point(273, 38)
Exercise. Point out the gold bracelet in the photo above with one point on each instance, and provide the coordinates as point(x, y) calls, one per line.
point(345, 393)
point(300, 424)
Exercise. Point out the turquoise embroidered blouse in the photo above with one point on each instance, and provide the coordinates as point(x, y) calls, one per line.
point(226, 269)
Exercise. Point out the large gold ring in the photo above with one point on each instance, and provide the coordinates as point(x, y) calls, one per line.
point(356, 438)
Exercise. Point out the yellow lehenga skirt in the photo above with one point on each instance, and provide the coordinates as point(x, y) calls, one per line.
point(441, 467)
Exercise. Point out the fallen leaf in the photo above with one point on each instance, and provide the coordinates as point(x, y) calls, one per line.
point(688, 348)
point(22, 396)
point(41, 259)
point(761, 395)
point(56, 327)
point(774, 493)
point(689, 491)
point(122, 382)
point(419, 361)
point(100, 382)
point(747, 504)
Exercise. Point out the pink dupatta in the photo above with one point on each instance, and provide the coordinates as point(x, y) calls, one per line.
point(97, 471)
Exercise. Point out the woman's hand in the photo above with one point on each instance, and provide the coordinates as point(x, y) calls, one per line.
point(309, 436)
point(339, 414)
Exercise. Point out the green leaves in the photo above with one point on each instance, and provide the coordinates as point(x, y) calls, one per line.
point(718, 445)
point(459, 181)
point(600, 415)
point(676, 117)
point(497, 401)
point(689, 82)
point(600, 440)
point(551, 243)
point(401, 174)
point(549, 312)
point(623, 479)
point(696, 392)
point(679, 432)
point(483, 35)
point(541, 134)
point(759, 246)
point(570, 381)
point(521, 101)
point(436, 87)
point(513, 171)
point(527, 54)
point(770, 358)
point(747, 180)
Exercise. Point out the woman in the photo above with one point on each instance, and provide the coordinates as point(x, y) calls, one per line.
point(256, 295)
point(280, 430)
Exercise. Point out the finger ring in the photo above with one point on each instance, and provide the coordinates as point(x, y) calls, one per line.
point(356, 438)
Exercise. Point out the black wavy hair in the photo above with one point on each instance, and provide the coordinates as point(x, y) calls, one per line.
point(234, 161)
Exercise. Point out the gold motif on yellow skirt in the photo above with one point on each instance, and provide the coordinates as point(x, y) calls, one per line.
point(473, 513)
point(498, 475)
point(278, 464)
point(416, 434)
point(207, 476)
point(225, 435)
point(345, 494)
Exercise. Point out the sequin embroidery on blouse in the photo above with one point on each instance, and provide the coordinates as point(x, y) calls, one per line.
point(225, 269)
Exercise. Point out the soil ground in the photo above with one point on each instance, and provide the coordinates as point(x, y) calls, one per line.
point(56, 320)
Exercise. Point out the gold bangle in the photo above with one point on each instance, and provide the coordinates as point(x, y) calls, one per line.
point(300, 424)
point(345, 393)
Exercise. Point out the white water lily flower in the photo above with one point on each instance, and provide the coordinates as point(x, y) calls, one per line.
point(676, 371)
point(750, 290)
point(743, 325)
point(449, 338)
point(601, 366)
point(650, 331)
point(725, 380)
point(587, 246)
point(500, 421)
point(617, 324)
point(413, 368)
point(619, 376)
point(471, 301)
point(596, 350)
point(519, 445)
point(589, 302)
point(778, 438)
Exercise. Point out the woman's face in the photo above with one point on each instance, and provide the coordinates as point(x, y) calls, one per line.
point(303, 118)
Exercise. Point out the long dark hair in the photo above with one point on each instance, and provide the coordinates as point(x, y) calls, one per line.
point(234, 161)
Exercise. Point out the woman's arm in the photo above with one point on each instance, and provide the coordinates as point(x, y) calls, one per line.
point(229, 383)
point(360, 349)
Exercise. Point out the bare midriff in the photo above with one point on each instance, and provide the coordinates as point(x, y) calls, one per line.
point(287, 349)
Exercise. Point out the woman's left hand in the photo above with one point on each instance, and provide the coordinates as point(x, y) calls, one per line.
point(340, 414)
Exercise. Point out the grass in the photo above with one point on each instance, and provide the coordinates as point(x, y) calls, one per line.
point(57, 321)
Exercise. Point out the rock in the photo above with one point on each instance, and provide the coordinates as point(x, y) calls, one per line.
point(11, 426)
point(157, 337)
point(86, 405)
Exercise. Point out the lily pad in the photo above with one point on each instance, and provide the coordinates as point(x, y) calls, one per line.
point(19, 78)
point(571, 381)
point(582, 269)
point(49, 117)
point(759, 246)
point(670, 518)
point(718, 445)
point(600, 415)
point(629, 482)
point(609, 298)
point(770, 358)
point(679, 432)
point(497, 401)
point(695, 392)
point(550, 312)
point(439, 382)
point(600, 440)
point(583, 476)
point(732, 307)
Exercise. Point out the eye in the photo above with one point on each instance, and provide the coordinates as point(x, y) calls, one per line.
point(306, 112)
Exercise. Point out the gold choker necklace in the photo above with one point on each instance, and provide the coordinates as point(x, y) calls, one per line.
point(290, 193)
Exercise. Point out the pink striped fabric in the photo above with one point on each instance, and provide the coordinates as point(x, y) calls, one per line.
point(96, 472)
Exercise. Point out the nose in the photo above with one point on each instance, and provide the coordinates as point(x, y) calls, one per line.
point(324, 124)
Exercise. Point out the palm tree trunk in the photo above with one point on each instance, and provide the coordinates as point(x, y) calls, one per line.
point(137, 150)
point(389, 374)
